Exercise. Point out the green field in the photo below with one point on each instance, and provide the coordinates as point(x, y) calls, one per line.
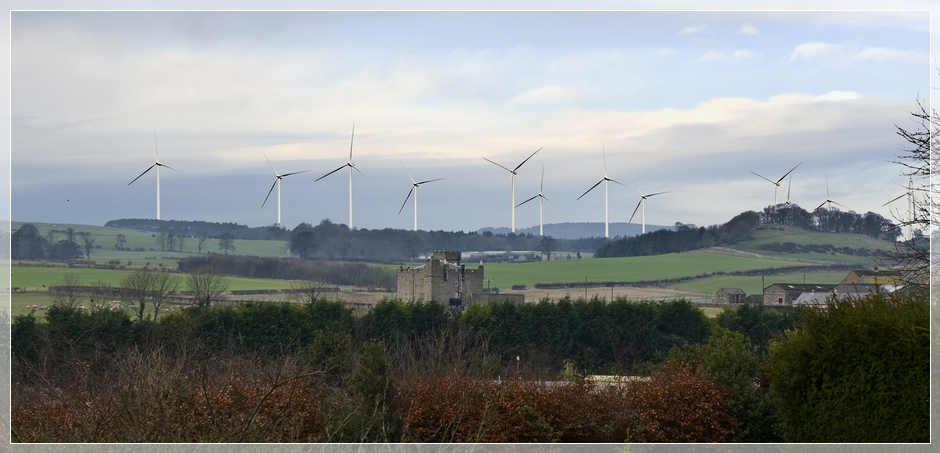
point(106, 239)
point(40, 278)
point(766, 234)
point(641, 268)
point(752, 285)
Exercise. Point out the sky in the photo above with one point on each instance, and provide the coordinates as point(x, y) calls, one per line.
point(689, 102)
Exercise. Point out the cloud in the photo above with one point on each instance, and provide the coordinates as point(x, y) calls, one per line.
point(540, 94)
point(813, 50)
point(887, 54)
point(738, 55)
point(690, 30)
point(747, 30)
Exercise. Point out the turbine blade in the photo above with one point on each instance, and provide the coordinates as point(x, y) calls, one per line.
point(269, 192)
point(618, 182)
point(542, 181)
point(524, 202)
point(500, 166)
point(550, 201)
point(604, 154)
point(827, 186)
point(269, 162)
point(406, 200)
point(657, 193)
point(351, 141)
point(637, 188)
point(895, 199)
point(820, 205)
point(406, 172)
point(592, 188)
point(526, 159)
point(145, 171)
point(294, 173)
point(788, 189)
point(363, 174)
point(840, 204)
point(634, 211)
point(171, 168)
point(155, 144)
point(430, 180)
point(791, 170)
point(330, 173)
point(765, 178)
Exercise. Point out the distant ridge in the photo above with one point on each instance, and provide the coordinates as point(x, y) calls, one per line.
point(580, 230)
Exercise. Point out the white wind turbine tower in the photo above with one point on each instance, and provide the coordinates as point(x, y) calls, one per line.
point(351, 166)
point(606, 182)
point(777, 182)
point(156, 163)
point(829, 200)
point(541, 197)
point(512, 204)
point(910, 196)
point(414, 188)
point(277, 182)
point(643, 202)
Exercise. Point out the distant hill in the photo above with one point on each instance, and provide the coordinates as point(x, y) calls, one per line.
point(787, 241)
point(580, 230)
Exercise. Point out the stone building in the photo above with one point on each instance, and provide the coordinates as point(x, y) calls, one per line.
point(785, 294)
point(442, 279)
point(730, 296)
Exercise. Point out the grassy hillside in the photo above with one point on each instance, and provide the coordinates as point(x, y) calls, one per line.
point(106, 239)
point(766, 234)
point(623, 269)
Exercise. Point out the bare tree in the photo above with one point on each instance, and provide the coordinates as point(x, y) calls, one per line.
point(136, 289)
point(67, 292)
point(99, 296)
point(206, 286)
point(163, 234)
point(227, 242)
point(52, 235)
point(306, 292)
point(201, 238)
point(547, 245)
point(181, 234)
point(88, 242)
point(912, 257)
point(165, 285)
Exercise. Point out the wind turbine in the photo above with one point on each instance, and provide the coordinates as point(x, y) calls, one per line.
point(351, 166)
point(414, 188)
point(910, 195)
point(606, 182)
point(643, 202)
point(829, 200)
point(777, 182)
point(512, 204)
point(789, 180)
point(156, 163)
point(277, 182)
point(540, 196)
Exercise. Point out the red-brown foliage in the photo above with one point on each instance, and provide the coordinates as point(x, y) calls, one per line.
point(678, 405)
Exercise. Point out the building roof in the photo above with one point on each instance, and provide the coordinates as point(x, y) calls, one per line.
point(804, 287)
point(733, 291)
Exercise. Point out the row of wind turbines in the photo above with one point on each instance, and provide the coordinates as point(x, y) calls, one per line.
point(350, 166)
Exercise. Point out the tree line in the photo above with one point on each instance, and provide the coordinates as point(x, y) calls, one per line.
point(26, 243)
point(686, 237)
point(424, 372)
point(329, 240)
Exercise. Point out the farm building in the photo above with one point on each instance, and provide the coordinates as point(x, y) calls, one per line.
point(443, 279)
point(871, 277)
point(785, 294)
point(730, 296)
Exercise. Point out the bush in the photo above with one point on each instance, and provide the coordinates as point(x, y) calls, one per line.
point(857, 372)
